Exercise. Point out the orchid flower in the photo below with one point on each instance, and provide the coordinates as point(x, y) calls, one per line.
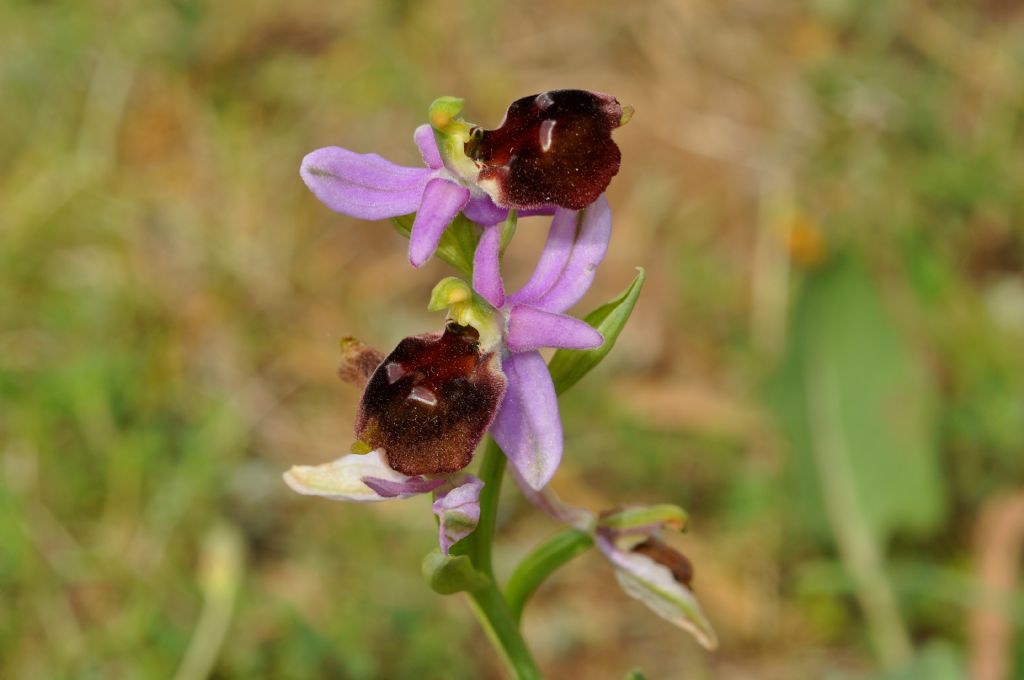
point(647, 569)
point(551, 149)
point(424, 409)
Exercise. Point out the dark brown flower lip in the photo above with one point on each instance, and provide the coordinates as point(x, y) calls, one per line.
point(430, 401)
point(551, 148)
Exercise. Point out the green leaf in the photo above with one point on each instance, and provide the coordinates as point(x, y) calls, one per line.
point(855, 401)
point(635, 674)
point(458, 242)
point(541, 563)
point(567, 366)
point(451, 574)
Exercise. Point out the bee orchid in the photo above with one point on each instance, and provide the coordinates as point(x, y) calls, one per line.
point(424, 409)
point(551, 149)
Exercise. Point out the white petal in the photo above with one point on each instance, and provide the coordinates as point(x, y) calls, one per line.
point(653, 584)
point(342, 479)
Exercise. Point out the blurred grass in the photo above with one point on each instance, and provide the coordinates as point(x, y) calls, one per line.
point(171, 297)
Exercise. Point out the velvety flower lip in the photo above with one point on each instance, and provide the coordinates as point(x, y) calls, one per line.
point(430, 401)
point(552, 148)
point(370, 187)
point(528, 427)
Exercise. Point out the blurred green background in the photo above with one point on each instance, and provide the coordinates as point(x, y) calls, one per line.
point(825, 367)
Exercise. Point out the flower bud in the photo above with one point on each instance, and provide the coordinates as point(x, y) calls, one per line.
point(643, 519)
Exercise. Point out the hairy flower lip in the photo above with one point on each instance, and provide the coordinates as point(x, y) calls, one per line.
point(430, 401)
point(551, 148)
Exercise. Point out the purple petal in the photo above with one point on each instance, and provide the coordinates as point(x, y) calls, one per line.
point(527, 427)
point(363, 185)
point(483, 211)
point(588, 251)
point(487, 267)
point(530, 328)
point(553, 258)
point(458, 510)
point(425, 140)
point(408, 487)
point(442, 201)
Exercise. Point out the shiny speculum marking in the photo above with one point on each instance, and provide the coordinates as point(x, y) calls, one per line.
point(553, 148)
point(430, 401)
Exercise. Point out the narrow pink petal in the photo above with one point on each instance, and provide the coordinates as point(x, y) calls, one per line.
point(425, 140)
point(550, 502)
point(483, 211)
point(527, 427)
point(530, 328)
point(458, 510)
point(487, 267)
point(588, 251)
point(553, 258)
point(442, 201)
point(363, 185)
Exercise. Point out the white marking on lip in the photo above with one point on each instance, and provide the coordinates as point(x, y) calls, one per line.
point(543, 101)
point(423, 395)
point(547, 129)
point(490, 187)
point(394, 372)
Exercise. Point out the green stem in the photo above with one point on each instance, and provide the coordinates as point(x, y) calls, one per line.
point(503, 630)
point(501, 626)
point(492, 470)
point(541, 563)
